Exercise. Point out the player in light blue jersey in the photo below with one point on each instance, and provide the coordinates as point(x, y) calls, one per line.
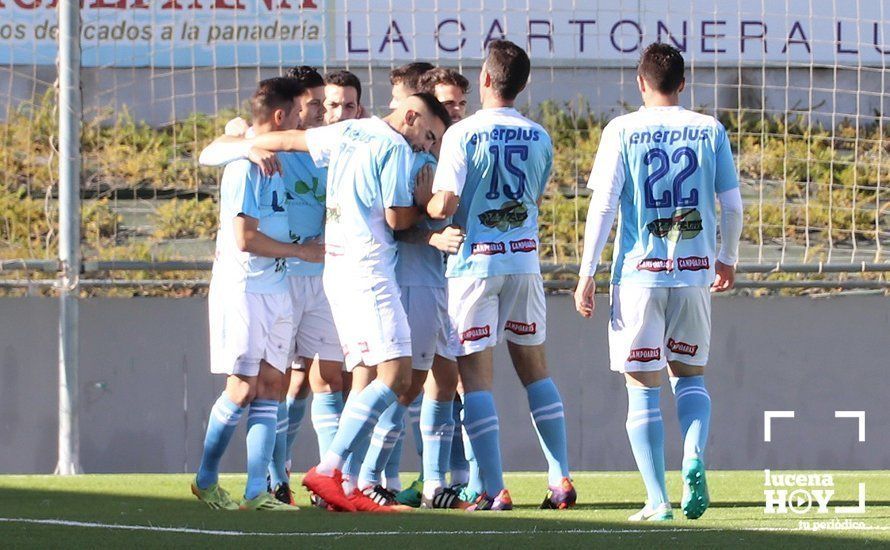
point(316, 345)
point(369, 195)
point(493, 169)
point(661, 170)
point(420, 272)
point(250, 313)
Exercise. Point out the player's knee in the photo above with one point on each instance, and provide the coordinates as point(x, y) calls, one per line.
point(298, 386)
point(241, 392)
point(400, 385)
point(327, 378)
point(271, 383)
point(533, 374)
point(415, 387)
point(682, 370)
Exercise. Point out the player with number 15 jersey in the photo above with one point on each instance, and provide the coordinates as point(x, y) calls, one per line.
point(493, 168)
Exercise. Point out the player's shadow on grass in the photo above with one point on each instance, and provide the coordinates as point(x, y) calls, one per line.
point(163, 521)
point(719, 504)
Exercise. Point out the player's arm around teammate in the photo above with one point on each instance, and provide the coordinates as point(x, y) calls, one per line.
point(420, 275)
point(250, 317)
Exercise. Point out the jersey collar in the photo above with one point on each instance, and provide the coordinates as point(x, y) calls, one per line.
point(665, 108)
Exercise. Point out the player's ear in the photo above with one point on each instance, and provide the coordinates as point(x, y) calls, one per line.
point(411, 117)
point(278, 116)
point(682, 86)
point(641, 83)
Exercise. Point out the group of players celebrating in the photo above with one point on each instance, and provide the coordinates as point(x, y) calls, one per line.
point(383, 259)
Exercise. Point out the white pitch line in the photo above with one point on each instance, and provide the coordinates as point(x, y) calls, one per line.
point(323, 534)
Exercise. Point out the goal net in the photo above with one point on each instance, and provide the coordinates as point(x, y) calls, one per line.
point(799, 84)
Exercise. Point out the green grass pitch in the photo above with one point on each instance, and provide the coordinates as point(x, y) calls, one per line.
point(115, 511)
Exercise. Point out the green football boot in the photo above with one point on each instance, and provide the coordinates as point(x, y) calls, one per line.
point(214, 496)
point(468, 495)
point(695, 489)
point(413, 495)
point(267, 503)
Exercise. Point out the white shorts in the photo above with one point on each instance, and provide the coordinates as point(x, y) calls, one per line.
point(427, 310)
point(315, 335)
point(485, 311)
point(246, 327)
point(370, 319)
point(650, 326)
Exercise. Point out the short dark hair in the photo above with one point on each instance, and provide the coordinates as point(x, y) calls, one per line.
point(345, 79)
point(409, 75)
point(662, 67)
point(508, 66)
point(441, 75)
point(435, 107)
point(306, 75)
point(273, 94)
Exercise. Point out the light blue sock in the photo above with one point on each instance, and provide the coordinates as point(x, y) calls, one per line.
point(437, 427)
point(278, 466)
point(358, 420)
point(296, 410)
point(261, 420)
point(224, 417)
point(482, 426)
point(645, 429)
point(460, 468)
point(383, 441)
point(414, 420)
point(475, 482)
point(326, 410)
point(549, 419)
point(391, 470)
point(694, 412)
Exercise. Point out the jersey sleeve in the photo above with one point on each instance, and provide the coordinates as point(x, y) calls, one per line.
point(451, 172)
point(548, 168)
point(396, 182)
point(608, 167)
point(726, 177)
point(322, 141)
point(240, 189)
point(606, 181)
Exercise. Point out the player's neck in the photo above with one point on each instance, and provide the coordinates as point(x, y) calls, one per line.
point(497, 103)
point(659, 100)
point(394, 121)
point(264, 128)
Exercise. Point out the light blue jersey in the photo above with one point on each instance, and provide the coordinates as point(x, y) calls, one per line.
point(498, 163)
point(369, 170)
point(674, 162)
point(244, 190)
point(306, 184)
point(421, 264)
